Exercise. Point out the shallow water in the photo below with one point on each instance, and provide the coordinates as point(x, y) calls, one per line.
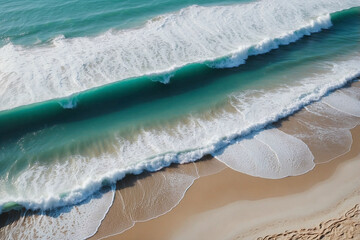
point(205, 77)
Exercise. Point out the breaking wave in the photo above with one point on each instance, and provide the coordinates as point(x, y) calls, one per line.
point(219, 36)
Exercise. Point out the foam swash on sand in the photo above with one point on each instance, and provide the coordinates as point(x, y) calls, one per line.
point(80, 113)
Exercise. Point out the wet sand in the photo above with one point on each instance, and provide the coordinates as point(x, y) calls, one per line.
point(231, 205)
point(208, 200)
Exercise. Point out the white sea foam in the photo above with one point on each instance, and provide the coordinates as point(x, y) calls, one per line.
point(194, 34)
point(152, 196)
point(344, 103)
point(269, 154)
point(325, 130)
point(79, 222)
point(152, 149)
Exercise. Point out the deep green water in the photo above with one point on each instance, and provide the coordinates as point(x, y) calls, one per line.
point(194, 88)
point(120, 126)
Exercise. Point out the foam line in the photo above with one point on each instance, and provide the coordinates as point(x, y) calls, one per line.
point(219, 36)
point(344, 103)
point(269, 154)
point(74, 180)
point(80, 222)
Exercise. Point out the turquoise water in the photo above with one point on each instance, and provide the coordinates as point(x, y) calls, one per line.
point(58, 150)
point(34, 22)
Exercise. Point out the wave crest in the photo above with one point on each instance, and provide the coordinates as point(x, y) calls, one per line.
point(153, 149)
point(222, 36)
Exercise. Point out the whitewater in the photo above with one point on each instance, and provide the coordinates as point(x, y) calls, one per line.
point(218, 36)
point(80, 176)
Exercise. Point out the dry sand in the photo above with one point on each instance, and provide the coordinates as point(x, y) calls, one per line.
point(345, 227)
point(231, 205)
point(221, 203)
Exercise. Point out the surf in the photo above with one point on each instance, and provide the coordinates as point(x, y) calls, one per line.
point(153, 149)
point(218, 36)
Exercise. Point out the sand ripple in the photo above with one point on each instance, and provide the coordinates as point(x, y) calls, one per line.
point(345, 227)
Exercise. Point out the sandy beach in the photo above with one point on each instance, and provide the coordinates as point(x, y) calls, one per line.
point(208, 200)
point(180, 120)
point(231, 205)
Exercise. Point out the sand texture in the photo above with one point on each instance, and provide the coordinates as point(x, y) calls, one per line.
point(231, 205)
point(345, 227)
point(208, 200)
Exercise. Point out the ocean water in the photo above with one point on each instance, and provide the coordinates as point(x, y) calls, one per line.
point(93, 91)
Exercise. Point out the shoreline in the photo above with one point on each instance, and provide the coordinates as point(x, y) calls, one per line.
point(258, 128)
point(214, 192)
point(182, 120)
point(203, 190)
